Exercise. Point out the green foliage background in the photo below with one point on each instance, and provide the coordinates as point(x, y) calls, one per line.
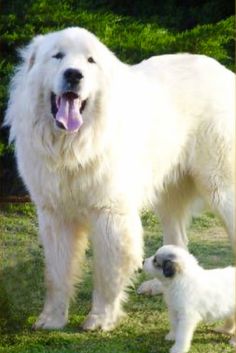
point(134, 30)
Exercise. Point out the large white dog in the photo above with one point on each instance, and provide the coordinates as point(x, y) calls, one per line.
point(96, 140)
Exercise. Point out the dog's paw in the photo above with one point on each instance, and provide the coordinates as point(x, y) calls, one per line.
point(232, 341)
point(95, 322)
point(225, 329)
point(48, 321)
point(152, 287)
point(170, 336)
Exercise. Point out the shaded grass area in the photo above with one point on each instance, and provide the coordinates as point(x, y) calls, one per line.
point(144, 327)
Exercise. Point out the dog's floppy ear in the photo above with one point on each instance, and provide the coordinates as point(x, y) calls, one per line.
point(28, 53)
point(170, 268)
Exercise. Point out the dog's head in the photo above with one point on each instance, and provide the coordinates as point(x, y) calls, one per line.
point(69, 68)
point(169, 262)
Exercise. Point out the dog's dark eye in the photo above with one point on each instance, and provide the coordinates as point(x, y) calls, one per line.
point(58, 55)
point(91, 60)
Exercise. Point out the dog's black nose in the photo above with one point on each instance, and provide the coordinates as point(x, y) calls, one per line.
point(73, 76)
point(143, 262)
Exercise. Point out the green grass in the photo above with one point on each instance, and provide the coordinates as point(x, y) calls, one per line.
point(144, 327)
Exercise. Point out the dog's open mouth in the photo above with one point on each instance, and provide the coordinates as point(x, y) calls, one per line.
point(67, 110)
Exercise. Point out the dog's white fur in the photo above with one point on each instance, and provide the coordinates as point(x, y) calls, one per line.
point(159, 134)
point(192, 293)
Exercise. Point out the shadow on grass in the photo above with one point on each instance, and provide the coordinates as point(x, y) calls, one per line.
point(21, 294)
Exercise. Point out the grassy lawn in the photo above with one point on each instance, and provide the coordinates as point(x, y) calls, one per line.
point(141, 331)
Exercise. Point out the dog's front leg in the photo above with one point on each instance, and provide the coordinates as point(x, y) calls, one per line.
point(186, 325)
point(118, 249)
point(64, 246)
point(173, 325)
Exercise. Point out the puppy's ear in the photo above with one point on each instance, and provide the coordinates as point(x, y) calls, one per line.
point(170, 268)
point(28, 53)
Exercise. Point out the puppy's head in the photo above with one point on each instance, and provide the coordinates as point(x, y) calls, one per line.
point(169, 262)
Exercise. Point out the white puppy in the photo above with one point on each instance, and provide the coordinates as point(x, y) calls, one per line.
point(192, 293)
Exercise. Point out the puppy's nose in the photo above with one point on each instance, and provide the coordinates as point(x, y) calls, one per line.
point(143, 262)
point(73, 76)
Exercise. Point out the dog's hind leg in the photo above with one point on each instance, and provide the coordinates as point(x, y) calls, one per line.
point(118, 251)
point(220, 195)
point(224, 204)
point(214, 171)
point(64, 246)
point(176, 204)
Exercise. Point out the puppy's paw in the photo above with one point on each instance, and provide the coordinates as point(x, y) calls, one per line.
point(170, 336)
point(152, 287)
point(232, 341)
point(225, 330)
point(49, 321)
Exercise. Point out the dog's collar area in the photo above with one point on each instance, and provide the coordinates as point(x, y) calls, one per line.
point(67, 95)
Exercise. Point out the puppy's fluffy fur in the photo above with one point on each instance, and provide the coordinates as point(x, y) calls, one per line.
point(192, 293)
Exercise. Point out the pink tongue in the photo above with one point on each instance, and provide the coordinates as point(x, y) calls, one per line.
point(69, 113)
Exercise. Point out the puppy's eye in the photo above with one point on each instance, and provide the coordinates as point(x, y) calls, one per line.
point(91, 60)
point(155, 263)
point(59, 55)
